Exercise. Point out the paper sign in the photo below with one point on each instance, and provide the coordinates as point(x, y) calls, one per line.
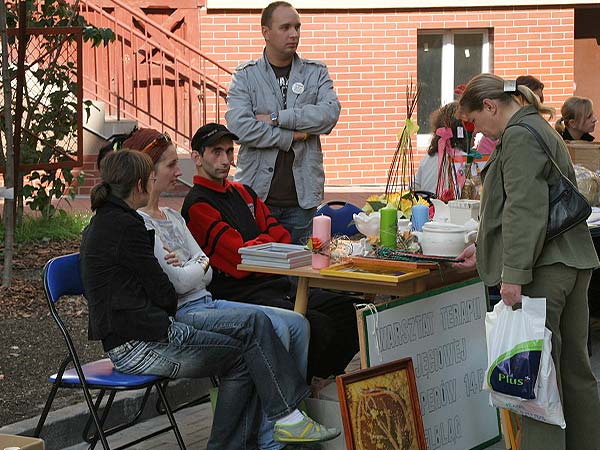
point(444, 333)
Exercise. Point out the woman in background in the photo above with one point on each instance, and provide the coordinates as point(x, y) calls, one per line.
point(536, 86)
point(578, 119)
point(426, 177)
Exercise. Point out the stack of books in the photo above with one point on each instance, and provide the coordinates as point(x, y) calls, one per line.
point(282, 256)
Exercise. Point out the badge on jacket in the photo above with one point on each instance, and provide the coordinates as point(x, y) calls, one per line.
point(297, 88)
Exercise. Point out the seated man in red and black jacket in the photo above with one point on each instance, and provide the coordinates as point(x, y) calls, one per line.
point(224, 216)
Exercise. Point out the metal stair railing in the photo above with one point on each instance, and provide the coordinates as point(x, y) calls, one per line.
point(175, 89)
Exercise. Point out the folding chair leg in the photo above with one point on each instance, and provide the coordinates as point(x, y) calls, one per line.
point(44, 415)
point(94, 414)
point(50, 400)
point(196, 401)
point(170, 415)
point(92, 439)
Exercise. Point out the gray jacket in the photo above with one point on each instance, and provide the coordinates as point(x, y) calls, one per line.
point(312, 107)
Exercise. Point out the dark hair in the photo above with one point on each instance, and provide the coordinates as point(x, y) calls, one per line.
point(120, 171)
point(445, 117)
point(114, 144)
point(267, 14)
point(200, 150)
point(488, 85)
point(530, 81)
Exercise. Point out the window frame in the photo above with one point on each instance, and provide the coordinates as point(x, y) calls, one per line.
point(447, 75)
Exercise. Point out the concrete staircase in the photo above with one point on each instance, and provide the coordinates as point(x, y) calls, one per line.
point(99, 128)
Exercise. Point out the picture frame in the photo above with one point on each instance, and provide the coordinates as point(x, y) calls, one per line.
point(364, 269)
point(373, 399)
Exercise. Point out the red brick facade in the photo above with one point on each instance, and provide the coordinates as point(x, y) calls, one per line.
point(371, 55)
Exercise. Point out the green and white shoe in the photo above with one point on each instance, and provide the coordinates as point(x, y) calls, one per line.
point(303, 432)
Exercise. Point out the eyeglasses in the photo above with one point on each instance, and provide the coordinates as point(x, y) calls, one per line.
point(162, 139)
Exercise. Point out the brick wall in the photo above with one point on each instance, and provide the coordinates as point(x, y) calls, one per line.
point(92, 176)
point(371, 55)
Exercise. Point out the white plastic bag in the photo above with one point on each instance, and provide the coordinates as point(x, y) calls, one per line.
point(546, 407)
point(514, 342)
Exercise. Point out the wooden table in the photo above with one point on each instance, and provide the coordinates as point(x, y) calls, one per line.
point(307, 278)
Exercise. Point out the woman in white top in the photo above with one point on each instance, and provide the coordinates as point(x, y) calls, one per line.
point(427, 175)
point(188, 267)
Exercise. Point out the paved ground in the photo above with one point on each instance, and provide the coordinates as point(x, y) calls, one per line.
point(195, 422)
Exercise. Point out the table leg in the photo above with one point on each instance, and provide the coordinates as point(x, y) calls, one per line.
point(301, 303)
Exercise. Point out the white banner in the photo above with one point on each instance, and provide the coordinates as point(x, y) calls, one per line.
point(444, 333)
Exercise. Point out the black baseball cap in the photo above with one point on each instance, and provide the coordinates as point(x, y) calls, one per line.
point(210, 134)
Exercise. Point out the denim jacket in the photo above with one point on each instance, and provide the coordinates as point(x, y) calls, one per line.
point(312, 107)
point(514, 207)
point(128, 294)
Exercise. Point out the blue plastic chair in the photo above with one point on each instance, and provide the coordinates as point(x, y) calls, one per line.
point(341, 217)
point(62, 277)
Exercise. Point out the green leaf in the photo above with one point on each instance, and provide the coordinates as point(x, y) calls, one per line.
point(376, 205)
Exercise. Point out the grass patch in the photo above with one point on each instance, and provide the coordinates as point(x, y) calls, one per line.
point(62, 227)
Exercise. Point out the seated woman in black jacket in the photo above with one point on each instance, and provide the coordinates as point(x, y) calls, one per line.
point(132, 303)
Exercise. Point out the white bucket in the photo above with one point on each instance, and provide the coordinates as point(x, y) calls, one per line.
point(463, 210)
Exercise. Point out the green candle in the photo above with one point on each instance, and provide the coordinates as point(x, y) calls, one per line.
point(388, 226)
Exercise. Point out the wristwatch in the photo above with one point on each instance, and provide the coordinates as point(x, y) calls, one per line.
point(204, 262)
point(275, 119)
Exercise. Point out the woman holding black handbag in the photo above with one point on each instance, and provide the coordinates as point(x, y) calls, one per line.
point(519, 246)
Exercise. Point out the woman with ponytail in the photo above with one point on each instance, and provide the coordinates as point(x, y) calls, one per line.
point(132, 305)
point(577, 119)
point(512, 248)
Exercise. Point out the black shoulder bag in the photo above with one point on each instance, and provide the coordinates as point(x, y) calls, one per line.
point(568, 206)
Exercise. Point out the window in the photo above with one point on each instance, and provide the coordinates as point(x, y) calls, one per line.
point(446, 59)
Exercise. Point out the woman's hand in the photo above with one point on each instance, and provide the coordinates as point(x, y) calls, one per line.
point(172, 259)
point(510, 293)
point(469, 255)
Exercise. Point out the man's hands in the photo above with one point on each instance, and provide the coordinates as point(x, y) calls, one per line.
point(298, 135)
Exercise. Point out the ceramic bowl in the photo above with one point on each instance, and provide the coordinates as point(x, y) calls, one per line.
point(367, 224)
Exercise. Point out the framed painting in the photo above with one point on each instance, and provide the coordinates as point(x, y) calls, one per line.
point(380, 408)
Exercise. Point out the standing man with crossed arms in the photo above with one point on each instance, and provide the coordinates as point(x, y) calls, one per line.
point(279, 105)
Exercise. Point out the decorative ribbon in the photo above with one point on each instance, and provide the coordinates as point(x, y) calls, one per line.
point(444, 145)
point(410, 128)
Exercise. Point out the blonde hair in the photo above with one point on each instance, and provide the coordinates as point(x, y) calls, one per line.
point(488, 85)
point(574, 108)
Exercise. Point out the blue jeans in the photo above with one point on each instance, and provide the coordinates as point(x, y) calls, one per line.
point(296, 220)
point(291, 327)
point(241, 348)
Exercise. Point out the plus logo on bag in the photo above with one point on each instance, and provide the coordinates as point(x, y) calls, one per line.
point(515, 372)
point(515, 341)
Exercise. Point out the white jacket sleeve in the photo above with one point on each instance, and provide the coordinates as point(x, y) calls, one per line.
point(191, 275)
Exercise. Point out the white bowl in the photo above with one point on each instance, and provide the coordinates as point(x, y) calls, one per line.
point(367, 224)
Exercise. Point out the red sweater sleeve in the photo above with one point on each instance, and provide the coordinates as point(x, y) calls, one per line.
point(221, 242)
